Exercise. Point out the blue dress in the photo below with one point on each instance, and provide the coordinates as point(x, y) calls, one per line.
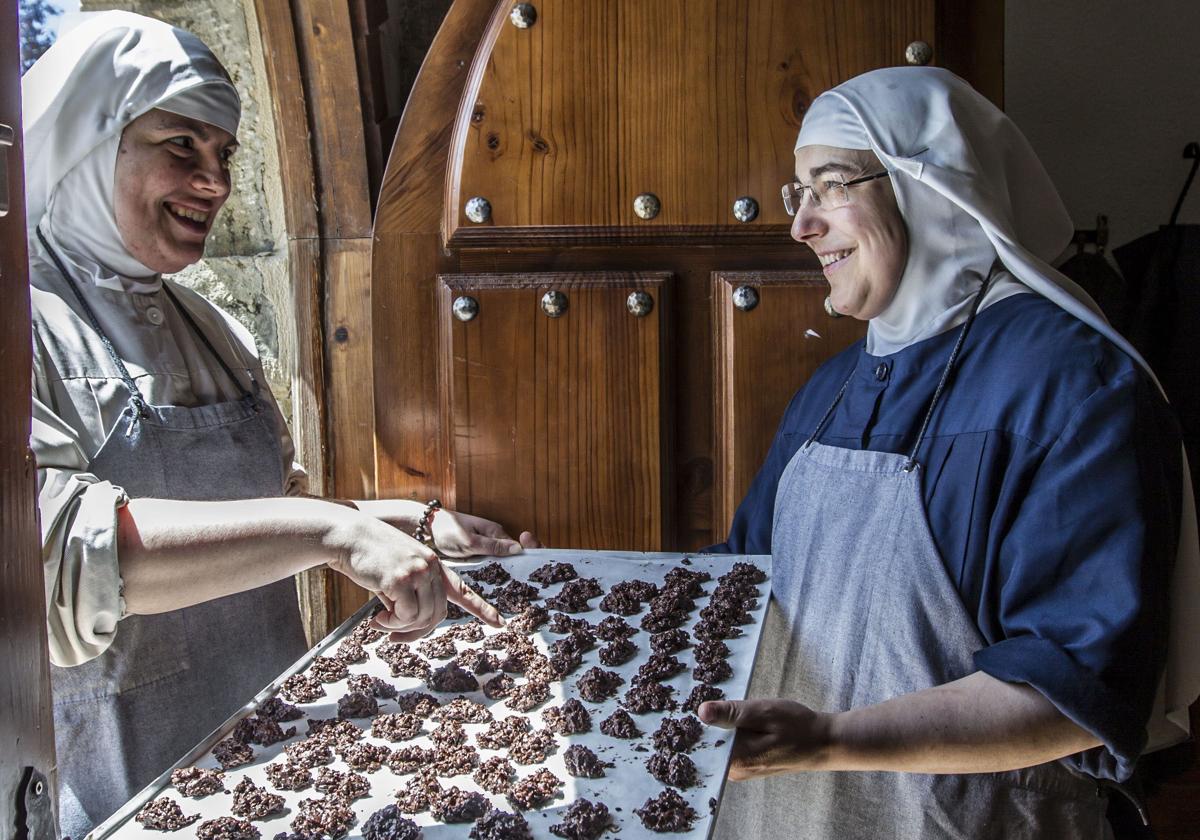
point(1052, 478)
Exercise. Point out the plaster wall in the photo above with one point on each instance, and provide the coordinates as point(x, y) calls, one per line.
point(1107, 94)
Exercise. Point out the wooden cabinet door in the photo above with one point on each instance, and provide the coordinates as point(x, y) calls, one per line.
point(555, 424)
point(771, 332)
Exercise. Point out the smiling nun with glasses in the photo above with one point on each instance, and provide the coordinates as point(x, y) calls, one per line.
point(985, 557)
point(173, 516)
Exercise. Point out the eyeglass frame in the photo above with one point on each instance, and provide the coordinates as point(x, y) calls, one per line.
point(817, 202)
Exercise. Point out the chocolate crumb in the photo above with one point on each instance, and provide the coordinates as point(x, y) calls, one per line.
point(452, 678)
point(418, 703)
point(396, 727)
point(277, 710)
point(357, 705)
point(552, 573)
point(372, 685)
point(253, 802)
point(583, 820)
point(613, 628)
point(464, 710)
point(582, 762)
point(409, 759)
point(327, 669)
point(495, 775)
point(648, 696)
point(456, 760)
point(350, 651)
point(597, 685)
point(195, 782)
point(388, 824)
point(300, 688)
point(671, 768)
point(514, 596)
point(230, 753)
point(529, 619)
point(226, 828)
point(333, 731)
point(532, 747)
point(309, 753)
point(491, 574)
point(440, 647)
point(617, 652)
point(500, 825)
point(345, 786)
point(501, 733)
point(700, 694)
point(498, 687)
point(459, 806)
point(660, 666)
point(678, 734)
point(620, 725)
point(667, 812)
point(417, 795)
point(568, 719)
point(448, 734)
point(366, 756)
point(536, 789)
point(164, 814)
point(712, 672)
point(562, 623)
point(669, 641)
point(329, 817)
point(528, 696)
point(288, 776)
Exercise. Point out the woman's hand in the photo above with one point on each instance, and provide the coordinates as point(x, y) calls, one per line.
point(411, 582)
point(773, 736)
point(462, 535)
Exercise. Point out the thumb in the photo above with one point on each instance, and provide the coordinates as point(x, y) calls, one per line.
point(727, 714)
point(494, 546)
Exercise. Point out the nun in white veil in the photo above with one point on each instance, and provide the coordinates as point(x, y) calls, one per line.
point(173, 516)
point(985, 555)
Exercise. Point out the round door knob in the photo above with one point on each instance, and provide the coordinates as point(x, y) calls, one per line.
point(918, 52)
point(478, 209)
point(745, 298)
point(640, 304)
point(465, 308)
point(554, 303)
point(523, 15)
point(745, 209)
point(647, 206)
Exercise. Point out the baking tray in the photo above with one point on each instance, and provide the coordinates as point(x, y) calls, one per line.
point(624, 787)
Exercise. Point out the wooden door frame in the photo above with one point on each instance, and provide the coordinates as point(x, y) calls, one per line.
point(26, 717)
point(309, 54)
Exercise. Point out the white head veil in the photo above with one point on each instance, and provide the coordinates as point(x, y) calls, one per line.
point(970, 189)
point(77, 100)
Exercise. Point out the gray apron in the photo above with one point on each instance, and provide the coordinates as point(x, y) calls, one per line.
point(168, 680)
point(862, 610)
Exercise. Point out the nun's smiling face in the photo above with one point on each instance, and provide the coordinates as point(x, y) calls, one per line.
point(172, 176)
point(862, 245)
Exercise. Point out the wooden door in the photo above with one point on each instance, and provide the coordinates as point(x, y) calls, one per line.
point(556, 420)
point(531, 147)
point(26, 723)
point(770, 332)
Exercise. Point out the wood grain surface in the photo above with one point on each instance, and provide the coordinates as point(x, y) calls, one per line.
point(760, 357)
point(26, 721)
point(555, 425)
point(695, 101)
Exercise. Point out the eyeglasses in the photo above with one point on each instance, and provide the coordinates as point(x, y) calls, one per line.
point(822, 193)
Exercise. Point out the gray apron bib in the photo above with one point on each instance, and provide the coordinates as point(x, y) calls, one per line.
point(168, 680)
point(861, 611)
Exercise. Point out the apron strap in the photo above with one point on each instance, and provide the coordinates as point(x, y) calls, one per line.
point(941, 386)
point(187, 316)
point(135, 395)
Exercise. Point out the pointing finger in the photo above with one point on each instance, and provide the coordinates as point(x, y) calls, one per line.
point(459, 593)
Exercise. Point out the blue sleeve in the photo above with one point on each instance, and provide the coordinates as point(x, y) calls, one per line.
point(1085, 570)
point(750, 532)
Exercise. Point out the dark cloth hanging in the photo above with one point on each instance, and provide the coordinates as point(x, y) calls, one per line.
point(1095, 274)
point(1164, 268)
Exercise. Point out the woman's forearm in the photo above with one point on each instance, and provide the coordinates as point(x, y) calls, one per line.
point(977, 724)
point(174, 554)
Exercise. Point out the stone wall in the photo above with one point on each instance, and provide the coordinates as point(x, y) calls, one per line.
point(245, 269)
